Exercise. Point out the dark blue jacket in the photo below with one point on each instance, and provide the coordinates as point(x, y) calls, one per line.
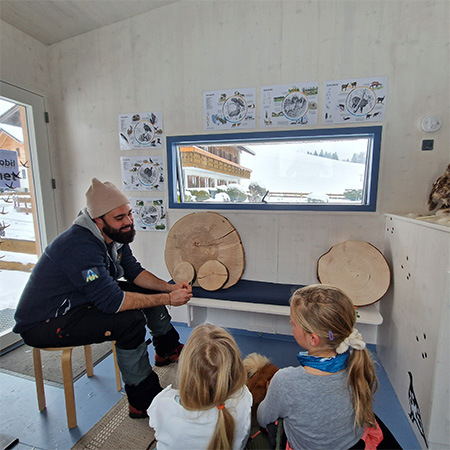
point(75, 269)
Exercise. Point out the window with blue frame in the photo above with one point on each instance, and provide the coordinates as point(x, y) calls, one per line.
point(321, 169)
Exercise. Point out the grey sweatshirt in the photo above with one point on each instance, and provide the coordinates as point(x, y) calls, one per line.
point(317, 410)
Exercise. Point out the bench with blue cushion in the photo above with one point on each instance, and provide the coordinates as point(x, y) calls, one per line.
point(252, 292)
point(259, 297)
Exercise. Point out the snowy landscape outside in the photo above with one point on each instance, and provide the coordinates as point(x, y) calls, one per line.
point(16, 217)
point(323, 170)
point(16, 225)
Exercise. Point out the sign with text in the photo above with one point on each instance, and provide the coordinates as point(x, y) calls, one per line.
point(9, 169)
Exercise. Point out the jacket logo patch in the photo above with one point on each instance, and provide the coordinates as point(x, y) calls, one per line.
point(90, 275)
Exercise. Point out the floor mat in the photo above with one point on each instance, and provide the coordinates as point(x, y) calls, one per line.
point(117, 430)
point(20, 362)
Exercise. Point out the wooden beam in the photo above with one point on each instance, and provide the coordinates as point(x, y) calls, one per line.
point(18, 246)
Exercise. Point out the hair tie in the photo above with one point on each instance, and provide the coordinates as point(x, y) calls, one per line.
point(354, 341)
point(221, 406)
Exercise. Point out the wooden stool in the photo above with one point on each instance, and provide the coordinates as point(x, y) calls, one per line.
point(66, 361)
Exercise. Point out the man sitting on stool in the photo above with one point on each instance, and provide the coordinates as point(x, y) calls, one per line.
point(73, 296)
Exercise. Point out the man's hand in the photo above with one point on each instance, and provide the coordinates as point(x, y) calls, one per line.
point(181, 296)
point(171, 294)
point(181, 285)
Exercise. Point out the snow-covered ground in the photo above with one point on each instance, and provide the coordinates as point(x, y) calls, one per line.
point(17, 225)
point(292, 170)
point(12, 283)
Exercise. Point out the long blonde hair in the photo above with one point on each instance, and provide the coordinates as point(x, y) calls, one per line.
point(329, 313)
point(210, 371)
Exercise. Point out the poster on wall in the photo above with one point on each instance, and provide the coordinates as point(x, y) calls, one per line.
point(140, 130)
point(9, 169)
point(142, 173)
point(149, 213)
point(289, 104)
point(355, 100)
point(229, 108)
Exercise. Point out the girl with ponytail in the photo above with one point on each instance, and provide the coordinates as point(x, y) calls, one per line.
point(326, 402)
point(212, 408)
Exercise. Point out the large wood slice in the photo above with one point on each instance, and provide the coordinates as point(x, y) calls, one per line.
point(358, 268)
point(201, 237)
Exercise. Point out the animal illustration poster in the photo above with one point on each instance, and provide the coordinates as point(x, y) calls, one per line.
point(289, 104)
point(140, 130)
point(229, 108)
point(355, 100)
point(142, 173)
point(149, 214)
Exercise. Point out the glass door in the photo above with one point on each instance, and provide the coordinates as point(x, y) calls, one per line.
point(27, 212)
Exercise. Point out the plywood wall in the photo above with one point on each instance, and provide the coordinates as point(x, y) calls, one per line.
point(165, 59)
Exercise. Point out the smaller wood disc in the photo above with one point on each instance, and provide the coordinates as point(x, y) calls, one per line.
point(212, 275)
point(183, 271)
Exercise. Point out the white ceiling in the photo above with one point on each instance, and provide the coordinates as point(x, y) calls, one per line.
point(51, 21)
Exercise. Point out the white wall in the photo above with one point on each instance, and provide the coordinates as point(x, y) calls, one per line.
point(415, 334)
point(24, 60)
point(164, 60)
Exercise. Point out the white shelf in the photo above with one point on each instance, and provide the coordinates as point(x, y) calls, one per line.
point(366, 314)
point(432, 221)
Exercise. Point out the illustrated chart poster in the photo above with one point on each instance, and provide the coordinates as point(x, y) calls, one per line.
point(289, 104)
point(142, 173)
point(149, 214)
point(140, 130)
point(355, 100)
point(228, 109)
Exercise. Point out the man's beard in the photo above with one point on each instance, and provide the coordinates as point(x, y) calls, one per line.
point(122, 237)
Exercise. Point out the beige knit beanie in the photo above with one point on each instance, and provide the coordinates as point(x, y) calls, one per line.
point(101, 198)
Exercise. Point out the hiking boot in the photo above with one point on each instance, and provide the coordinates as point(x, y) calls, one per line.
point(167, 359)
point(141, 396)
point(136, 414)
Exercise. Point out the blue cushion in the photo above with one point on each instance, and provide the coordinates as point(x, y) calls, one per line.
point(252, 292)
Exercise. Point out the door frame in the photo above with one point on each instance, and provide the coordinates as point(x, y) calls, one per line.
point(41, 170)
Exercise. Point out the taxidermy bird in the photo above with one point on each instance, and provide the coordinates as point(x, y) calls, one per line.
point(440, 192)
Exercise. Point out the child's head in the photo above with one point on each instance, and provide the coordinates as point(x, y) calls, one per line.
point(325, 311)
point(211, 368)
point(329, 313)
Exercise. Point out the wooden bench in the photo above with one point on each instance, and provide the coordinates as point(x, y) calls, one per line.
point(261, 307)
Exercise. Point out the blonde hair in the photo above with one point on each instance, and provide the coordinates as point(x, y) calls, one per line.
point(210, 371)
point(329, 313)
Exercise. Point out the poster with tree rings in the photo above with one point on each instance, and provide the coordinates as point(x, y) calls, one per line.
point(289, 104)
point(149, 214)
point(355, 100)
point(229, 108)
point(142, 173)
point(140, 130)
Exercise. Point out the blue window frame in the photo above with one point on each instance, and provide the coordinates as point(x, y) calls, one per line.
point(310, 170)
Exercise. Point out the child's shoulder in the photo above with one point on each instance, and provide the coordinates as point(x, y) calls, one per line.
point(287, 373)
point(289, 370)
point(168, 393)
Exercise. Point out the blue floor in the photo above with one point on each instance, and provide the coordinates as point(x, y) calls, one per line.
point(20, 417)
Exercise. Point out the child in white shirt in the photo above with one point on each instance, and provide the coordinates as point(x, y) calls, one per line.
point(212, 408)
